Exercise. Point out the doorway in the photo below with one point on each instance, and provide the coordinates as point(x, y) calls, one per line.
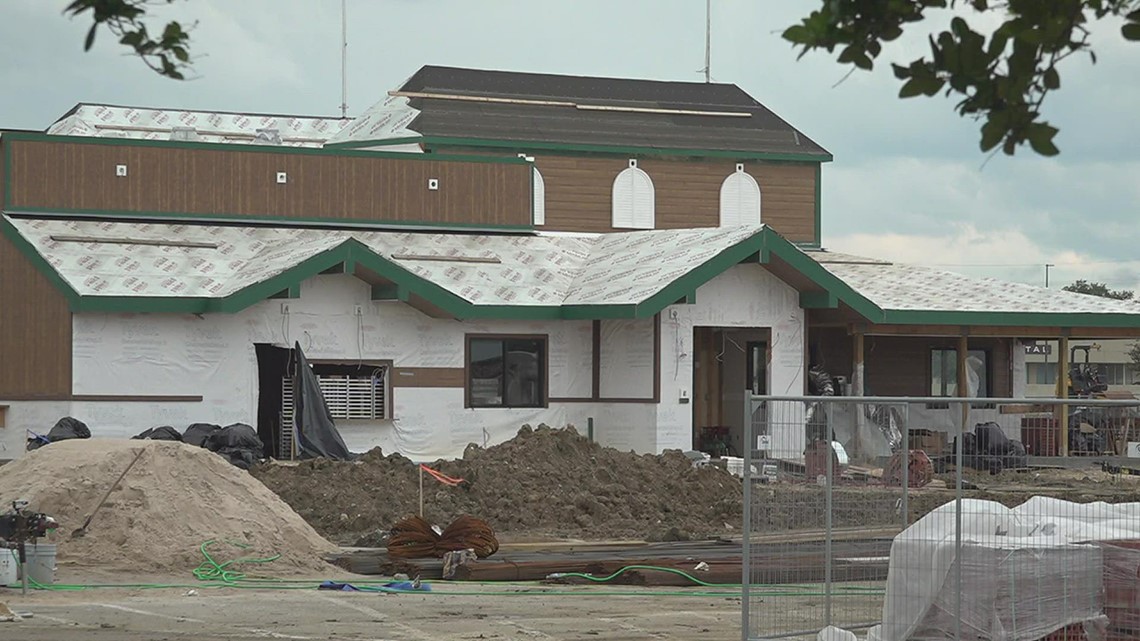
point(728, 363)
point(272, 368)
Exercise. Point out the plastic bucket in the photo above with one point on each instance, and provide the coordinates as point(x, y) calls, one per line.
point(41, 563)
point(9, 567)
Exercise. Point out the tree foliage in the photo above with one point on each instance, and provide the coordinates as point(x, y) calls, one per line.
point(1098, 289)
point(1001, 78)
point(168, 53)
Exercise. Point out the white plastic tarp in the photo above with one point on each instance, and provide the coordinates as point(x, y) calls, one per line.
point(1026, 571)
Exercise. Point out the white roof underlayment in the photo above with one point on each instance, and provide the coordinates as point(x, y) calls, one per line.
point(140, 123)
point(96, 259)
point(895, 286)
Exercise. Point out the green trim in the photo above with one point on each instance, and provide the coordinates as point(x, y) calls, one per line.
point(818, 205)
point(263, 221)
point(623, 150)
point(384, 142)
point(818, 300)
point(260, 149)
point(779, 247)
point(1010, 319)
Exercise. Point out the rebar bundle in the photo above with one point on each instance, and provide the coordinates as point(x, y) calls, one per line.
point(415, 538)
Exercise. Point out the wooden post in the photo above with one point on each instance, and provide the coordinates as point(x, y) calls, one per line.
point(1061, 412)
point(858, 388)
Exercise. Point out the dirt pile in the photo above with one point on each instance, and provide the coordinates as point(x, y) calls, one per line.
point(542, 482)
point(173, 499)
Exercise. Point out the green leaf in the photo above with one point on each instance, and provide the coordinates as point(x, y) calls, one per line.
point(798, 34)
point(1131, 31)
point(1040, 136)
point(90, 37)
point(992, 133)
point(1052, 78)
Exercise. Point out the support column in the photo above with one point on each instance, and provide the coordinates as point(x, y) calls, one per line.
point(1062, 412)
point(963, 379)
point(858, 388)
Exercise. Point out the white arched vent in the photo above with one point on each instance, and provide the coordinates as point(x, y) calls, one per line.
point(633, 199)
point(739, 199)
point(539, 198)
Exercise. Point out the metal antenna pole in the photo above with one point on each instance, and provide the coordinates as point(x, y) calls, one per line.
point(343, 58)
point(708, 40)
point(1047, 266)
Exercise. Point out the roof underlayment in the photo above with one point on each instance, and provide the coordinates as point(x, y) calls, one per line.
point(140, 123)
point(155, 266)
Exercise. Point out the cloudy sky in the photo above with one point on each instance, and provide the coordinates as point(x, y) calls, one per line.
point(908, 181)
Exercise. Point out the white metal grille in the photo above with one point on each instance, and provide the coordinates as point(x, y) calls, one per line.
point(350, 398)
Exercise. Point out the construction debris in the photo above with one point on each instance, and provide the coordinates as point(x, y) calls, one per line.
point(415, 538)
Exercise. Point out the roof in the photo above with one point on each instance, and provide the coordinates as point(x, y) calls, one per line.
point(143, 123)
point(907, 293)
point(456, 106)
point(104, 265)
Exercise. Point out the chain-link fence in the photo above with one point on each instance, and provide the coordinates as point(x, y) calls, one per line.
point(915, 519)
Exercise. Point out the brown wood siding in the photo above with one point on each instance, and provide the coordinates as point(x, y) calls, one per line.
point(68, 176)
point(35, 331)
point(578, 193)
point(428, 377)
point(900, 366)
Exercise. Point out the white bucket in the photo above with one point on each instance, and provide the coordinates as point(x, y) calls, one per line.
point(9, 567)
point(41, 563)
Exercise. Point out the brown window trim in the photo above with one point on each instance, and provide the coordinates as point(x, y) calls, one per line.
point(596, 374)
point(543, 338)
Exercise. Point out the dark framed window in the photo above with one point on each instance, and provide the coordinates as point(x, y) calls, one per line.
point(944, 371)
point(757, 355)
point(506, 371)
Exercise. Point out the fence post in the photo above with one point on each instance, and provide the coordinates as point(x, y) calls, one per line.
point(828, 522)
point(746, 550)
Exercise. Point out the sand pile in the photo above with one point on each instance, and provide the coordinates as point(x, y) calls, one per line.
point(543, 482)
point(174, 498)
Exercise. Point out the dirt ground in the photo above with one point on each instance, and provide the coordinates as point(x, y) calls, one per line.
point(450, 613)
point(542, 483)
point(554, 484)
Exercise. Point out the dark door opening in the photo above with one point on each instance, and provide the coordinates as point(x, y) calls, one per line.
point(272, 368)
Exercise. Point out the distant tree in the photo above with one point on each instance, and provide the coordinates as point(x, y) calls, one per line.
point(1098, 289)
point(1134, 355)
point(167, 54)
point(1001, 75)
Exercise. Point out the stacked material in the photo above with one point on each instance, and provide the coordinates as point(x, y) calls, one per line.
point(173, 499)
point(1026, 572)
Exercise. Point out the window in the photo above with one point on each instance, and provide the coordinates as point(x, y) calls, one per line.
point(757, 368)
point(506, 371)
point(1041, 373)
point(539, 195)
point(739, 199)
point(352, 392)
point(633, 199)
point(944, 371)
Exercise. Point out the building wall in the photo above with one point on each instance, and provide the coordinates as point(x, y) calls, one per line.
point(236, 180)
point(35, 331)
point(900, 365)
point(1039, 376)
point(746, 296)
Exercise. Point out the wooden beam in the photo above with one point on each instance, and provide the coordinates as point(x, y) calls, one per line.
point(596, 360)
point(818, 300)
point(390, 292)
point(1062, 412)
point(858, 386)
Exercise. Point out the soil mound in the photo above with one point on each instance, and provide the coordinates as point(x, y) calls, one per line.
point(173, 499)
point(548, 482)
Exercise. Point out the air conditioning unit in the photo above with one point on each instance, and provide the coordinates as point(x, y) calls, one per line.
point(184, 134)
point(267, 137)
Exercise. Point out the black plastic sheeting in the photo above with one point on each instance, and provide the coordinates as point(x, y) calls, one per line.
point(163, 433)
point(64, 429)
point(197, 433)
point(315, 430)
point(989, 449)
point(238, 443)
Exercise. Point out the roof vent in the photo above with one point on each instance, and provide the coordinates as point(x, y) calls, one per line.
point(184, 134)
point(268, 137)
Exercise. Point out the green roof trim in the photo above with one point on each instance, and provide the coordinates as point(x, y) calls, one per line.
point(263, 221)
point(533, 145)
point(385, 142)
point(339, 152)
point(1011, 319)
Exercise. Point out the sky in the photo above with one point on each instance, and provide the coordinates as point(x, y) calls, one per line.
point(908, 182)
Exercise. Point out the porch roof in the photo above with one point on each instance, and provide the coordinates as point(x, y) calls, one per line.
point(913, 294)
